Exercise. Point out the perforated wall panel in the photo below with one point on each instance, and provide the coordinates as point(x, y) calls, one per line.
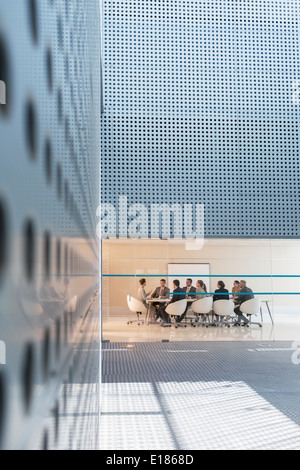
point(201, 102)
point(49, 251)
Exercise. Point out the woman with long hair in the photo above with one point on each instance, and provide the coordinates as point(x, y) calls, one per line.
point(201, 289)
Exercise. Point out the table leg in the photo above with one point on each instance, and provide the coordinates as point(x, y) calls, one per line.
point(147, 316)
point(267, 303)
point(153, 314)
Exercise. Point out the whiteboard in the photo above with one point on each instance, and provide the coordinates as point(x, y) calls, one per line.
point(196, 271)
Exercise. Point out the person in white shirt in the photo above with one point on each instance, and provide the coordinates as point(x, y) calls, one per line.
point(142, 295)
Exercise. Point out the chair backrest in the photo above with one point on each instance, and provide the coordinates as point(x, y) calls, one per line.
point(202, 305)
point(177, 308)
point(251, 307)
point(135, 305)
point(223, 307)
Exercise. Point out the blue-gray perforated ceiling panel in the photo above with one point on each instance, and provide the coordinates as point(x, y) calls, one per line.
point(201, 105)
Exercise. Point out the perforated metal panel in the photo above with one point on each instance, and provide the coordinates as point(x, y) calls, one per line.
point(49, 193)
point(201, 106)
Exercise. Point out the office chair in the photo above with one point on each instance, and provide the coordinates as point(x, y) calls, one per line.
point(251, 307)
point(176, 309)
point(223, 308)
point(201, 307)
point(138, 307)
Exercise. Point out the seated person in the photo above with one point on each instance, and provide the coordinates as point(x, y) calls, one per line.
point(142, 295)
point(188, 289)
point(179, 295)
point(248, 294)
point(161, 292)
point(201, 289)
point(201, 293)
point(235, 289)
point(220, 294)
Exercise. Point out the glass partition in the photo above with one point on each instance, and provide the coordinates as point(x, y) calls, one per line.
point(269, 267)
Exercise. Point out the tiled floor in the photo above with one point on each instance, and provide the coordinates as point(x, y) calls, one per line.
point(200, 395)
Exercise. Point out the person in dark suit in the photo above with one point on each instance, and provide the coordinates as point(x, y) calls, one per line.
point(245, 294)
point(178, 295)
point(188, 289)
point(161, 292)
point(220, 294)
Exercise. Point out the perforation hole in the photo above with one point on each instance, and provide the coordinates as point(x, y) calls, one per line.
point(49, 62)
point(28, 375)
point(58, 339)
point(31, 133)
point(58, 259)
point(33, 20)
point(47, 254)
point(3, 406)
point(45, 443)
point(48, 161)
point(5, 77)
point(3, 240)
point(67, 194)
point(46, 354)
point(29, 249)
point(66, 260)
point(59, 106)
point(66, 332)
point(59, 181)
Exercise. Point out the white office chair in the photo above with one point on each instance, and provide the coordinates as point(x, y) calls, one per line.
point(138, 307)
point(202, 307)
point(251, 307)
point(223, 308)
point(176, 309)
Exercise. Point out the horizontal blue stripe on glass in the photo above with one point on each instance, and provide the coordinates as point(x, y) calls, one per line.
point(239, 276)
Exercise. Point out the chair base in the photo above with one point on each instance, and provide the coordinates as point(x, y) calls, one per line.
point(253, 322)
point(182, 324)
point(199, 321)
point(138, 320)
